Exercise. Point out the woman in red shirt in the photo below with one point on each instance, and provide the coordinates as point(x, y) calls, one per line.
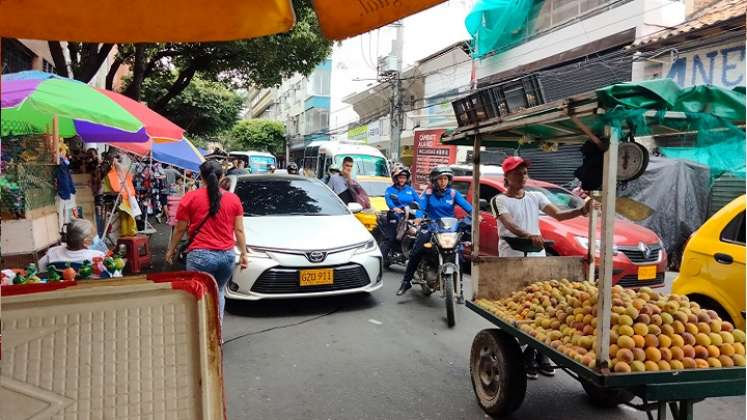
point(215, 221)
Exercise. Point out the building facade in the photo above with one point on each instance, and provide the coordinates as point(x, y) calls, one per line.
point(301, 103)
point(23, 54)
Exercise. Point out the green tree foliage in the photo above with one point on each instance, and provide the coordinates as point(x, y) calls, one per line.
point(204, 109)
point(260, 135)
point(261, 62)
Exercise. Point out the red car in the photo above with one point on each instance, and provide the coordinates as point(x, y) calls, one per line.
point(639, 257)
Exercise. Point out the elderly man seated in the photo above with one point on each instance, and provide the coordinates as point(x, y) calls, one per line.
point(79, 237)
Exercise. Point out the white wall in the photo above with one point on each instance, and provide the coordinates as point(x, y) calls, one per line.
point(444, 74)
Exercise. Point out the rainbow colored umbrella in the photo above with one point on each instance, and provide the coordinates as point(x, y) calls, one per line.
point(30, 101)
point(166, 142)
point(181, 153)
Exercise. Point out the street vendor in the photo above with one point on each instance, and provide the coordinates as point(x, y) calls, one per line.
point(519, 211)
point(78, 238)
point(119, 180)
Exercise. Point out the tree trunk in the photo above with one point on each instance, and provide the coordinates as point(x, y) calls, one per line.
point(60, 64)
point(113, 71)
point(181, 83)
point(138, 73)
point(92, 59)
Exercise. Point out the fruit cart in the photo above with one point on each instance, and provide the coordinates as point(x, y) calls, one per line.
point(610, 118)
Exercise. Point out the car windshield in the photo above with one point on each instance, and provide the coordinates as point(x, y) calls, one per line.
point(287, 197)
point(365, 165)
point(562, 199)
point(374, 188)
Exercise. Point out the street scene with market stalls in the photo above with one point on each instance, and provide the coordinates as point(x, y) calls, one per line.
point(424, 209)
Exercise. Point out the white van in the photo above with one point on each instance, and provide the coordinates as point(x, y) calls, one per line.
point(318, 156)
point(256, 162)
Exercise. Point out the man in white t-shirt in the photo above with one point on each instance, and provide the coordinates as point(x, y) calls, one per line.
point(519, 212)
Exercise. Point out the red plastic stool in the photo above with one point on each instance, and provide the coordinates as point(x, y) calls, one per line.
point(138, 252)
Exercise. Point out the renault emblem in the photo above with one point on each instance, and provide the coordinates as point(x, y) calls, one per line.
point(316, 256)
point(644, 249)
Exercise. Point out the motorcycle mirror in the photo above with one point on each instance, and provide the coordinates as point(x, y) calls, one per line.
point(355, 207)
point(414, 205)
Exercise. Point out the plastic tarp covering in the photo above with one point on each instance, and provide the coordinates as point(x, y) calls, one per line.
point(496, 23)
point(677, 190)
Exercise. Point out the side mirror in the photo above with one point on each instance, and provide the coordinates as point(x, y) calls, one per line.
point(414, 205)
point(355, 207)
point(484, 205)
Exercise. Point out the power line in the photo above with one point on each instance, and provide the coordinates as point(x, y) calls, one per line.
point(617, 57)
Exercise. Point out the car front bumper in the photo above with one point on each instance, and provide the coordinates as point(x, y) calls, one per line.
point(276, 277)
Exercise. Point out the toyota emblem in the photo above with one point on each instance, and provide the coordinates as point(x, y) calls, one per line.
point(316, 256)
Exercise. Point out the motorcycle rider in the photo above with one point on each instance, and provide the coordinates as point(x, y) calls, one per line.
point(436, 202)
point(397, 196)
point(292, 168)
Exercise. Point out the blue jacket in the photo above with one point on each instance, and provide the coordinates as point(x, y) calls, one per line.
point(436, 206)
point(405, 195)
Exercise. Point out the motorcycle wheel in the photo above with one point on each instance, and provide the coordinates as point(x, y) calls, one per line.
point(449, 292)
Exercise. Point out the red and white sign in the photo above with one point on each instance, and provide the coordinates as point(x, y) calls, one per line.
point(429, 153)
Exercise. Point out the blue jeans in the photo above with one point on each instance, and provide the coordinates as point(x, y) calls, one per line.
point(418, 249)
point(217, 263)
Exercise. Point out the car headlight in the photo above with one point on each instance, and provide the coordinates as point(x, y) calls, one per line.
point(256, 253)
point(584, 242)
point(366, 247)
point(447, 240)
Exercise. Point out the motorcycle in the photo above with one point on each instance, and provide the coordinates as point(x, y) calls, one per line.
point(400, 231)
point(440, 270)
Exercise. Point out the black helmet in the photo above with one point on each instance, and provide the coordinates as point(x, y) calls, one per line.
point(440, 171)
point(292, 168)
point(400, 170)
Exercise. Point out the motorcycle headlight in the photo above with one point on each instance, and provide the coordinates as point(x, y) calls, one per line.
point(584, 242)
point(447, 240)
point(256, 253)
point(366, 247)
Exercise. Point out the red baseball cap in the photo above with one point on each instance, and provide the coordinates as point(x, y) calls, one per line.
point(513, 162)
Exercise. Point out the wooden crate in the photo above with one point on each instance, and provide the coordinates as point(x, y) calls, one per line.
point(499, 277)
point(37, 231)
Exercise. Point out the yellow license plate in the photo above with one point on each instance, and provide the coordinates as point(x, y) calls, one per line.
point(647, 272)
point(317, 277)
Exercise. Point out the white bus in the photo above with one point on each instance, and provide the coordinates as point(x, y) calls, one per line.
point(318, 156)
point(256, 162)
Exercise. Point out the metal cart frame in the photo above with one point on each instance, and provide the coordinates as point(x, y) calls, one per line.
point(569, 121)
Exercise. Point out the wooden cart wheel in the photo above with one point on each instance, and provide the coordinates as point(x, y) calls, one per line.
point(497, 372)
point(606, 397)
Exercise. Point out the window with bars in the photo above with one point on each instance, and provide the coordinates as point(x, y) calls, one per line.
point(548, 14)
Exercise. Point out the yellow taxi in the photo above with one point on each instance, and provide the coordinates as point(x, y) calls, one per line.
point(375, 186)
point(712, 269)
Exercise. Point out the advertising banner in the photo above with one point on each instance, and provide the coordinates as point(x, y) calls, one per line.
point(429, 153)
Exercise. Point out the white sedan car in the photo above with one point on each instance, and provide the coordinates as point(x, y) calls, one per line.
point(302, 241)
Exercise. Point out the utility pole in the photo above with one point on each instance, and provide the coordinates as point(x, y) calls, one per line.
point(395, 118)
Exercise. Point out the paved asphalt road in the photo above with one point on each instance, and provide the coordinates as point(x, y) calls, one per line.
point(380, 357)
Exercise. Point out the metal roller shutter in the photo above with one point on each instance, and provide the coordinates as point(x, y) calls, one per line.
point(725, 189)
point(583, 76)
point(555, 167)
